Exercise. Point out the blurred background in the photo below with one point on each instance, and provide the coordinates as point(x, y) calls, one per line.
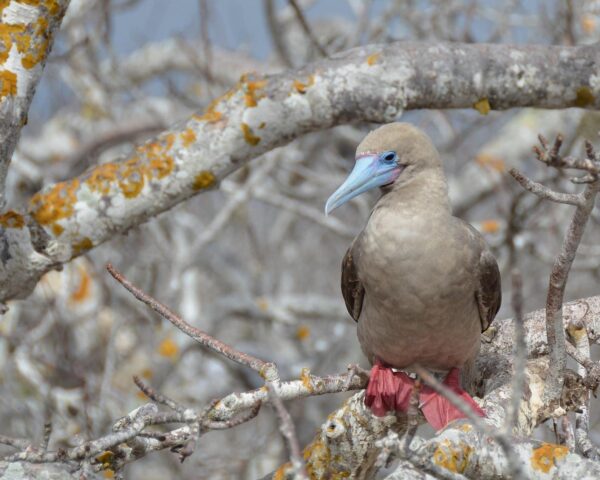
point(255, 262)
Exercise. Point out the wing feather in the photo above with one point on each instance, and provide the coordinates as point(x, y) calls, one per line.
point(352, 288)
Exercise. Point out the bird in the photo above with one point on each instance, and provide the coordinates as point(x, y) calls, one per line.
point(421, 284)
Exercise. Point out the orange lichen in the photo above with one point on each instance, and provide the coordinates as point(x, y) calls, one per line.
point(33, 39)
point(168, 348)
point(302, 87)
point(82, 245)
point(584, 97)
point(55, 204)
point(211, 115)
point(306, 379)
point(84, 288)
point(318, 459)
point(282, 471)
point(251, 89)
point(490, 226)
point(544, 457)
point(303, 332)
point(108, 473)
point(132, 177)
point(204, 179)
point(262, 304)
point(12, 219)
point(188, 136)
point(452, 457)
point(105, 457)
point(490, 161)
point(372, 59)
point(482, 106)
point(9, 83)
point(249, 135)
point(102, 177)
point(588, 23)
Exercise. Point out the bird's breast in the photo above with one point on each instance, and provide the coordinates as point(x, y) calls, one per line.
point(420, 306)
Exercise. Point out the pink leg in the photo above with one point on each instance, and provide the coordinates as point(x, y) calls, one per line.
point(438, 410)
point(387, 390)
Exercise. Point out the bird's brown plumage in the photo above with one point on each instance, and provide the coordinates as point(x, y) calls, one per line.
point(416, 279)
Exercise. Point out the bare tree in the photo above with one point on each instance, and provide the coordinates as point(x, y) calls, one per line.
point(251, 267)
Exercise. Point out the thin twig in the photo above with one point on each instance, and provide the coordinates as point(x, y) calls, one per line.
point(544, 192)
point(519, 353)
point(306, 27)
point(266, 369)
point(286, 426)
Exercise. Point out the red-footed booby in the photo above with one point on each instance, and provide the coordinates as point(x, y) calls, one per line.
point(421, 284)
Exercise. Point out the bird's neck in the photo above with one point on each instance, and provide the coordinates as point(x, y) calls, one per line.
point(427, 190)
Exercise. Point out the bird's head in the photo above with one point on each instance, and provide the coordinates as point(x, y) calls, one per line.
point(390, 156)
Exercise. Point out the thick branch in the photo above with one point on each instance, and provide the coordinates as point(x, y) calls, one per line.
point(27, 34)
point(374, 83)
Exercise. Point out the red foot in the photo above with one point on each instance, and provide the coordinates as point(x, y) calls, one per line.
point(390, 391)
point(387, 390)
point(438, 410)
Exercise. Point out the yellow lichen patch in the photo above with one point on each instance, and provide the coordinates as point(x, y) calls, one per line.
point(588, 23)
point(56, 204)
point(302, 87)
point(147, 373)
point(249, 135)
point(452, 457)
point(262, 304)
point(105, 457)
point(57, 229)
point(576, 332)
point(318, 459)
point(282, 471)
point(102, 177)
point(466, 428)
point(210, 115)
point(204, 179)
point(12, 219)
point(482, 106)
point(585, 97)
point(251, 89)
point(108, 473)
point(545, 456)
point(306, 379)
point(132, 178)
point(490, 161)
point(9, 84)
point(168, 348)
point(373, 59)
point(490, 226)
point(188, 136)
point(303, 332)
point(82, 245)
point(84, 287)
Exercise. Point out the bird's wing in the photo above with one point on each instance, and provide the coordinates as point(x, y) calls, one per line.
point(489, 287)
point(489, 292)
point(352, 289)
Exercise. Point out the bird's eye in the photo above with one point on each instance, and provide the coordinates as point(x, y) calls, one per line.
point(389, 157)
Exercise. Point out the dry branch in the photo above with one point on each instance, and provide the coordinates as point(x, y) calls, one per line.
point(261, 113)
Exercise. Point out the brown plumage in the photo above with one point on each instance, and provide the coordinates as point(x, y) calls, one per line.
point(420, 283)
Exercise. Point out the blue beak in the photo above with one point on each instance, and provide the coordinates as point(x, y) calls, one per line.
point(368, 172)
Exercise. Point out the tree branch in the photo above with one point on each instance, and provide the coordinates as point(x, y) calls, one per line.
point(28, 30)
point(261, 113)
